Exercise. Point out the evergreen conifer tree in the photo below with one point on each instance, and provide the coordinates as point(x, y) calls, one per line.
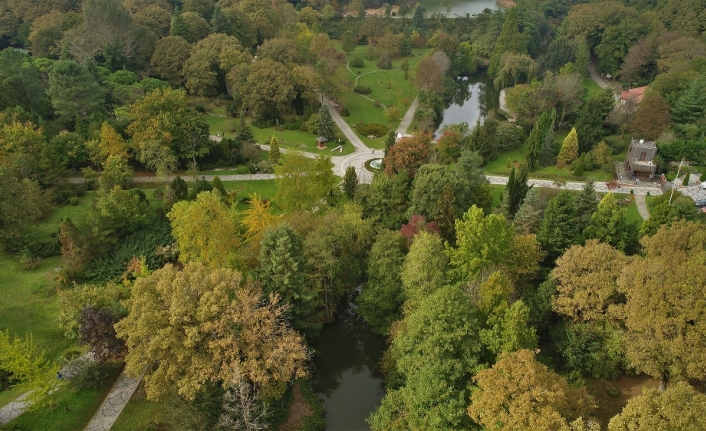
point(391, 139)
point(548, 150)
point(418, 19)
point(589, 125)
point(179, 27)
point(569, 148)
point(219, 23)
point(274, 151)
point(516, 189)
point(586, 204)
point(510, 40)
point(447, 215)
point(533, 144)
point(325, 126)
point(244, 134)
point(350, 182)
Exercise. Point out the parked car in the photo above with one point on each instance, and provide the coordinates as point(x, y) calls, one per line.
point(703, 185)
point(701, 203)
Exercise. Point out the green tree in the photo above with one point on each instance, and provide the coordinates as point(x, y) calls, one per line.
point(211, 59)
point(418, 19)
point(609, 224)
point(528, 218)
point(324, 125)
point(548, 151)
point(679, 407)
point(559, 229)
point(115, 213)
point(424, 269)
point(569, 148)
point(589, 125)
point(348, 41)
point(281, 271)
point(665, 331)
point(269, 88)
point(380, 301)
point(516, 190)
point(206, 231)
point(179, 188)
point(541, 131)
point(519, 392)
point(21, 204)
point(446, 220)
point(386, 200)
point(428, 185)
point(651, 118)
point(350, 182)
point(178, 26)
point(586, 203)
point(195, 325)
point(510, 40)
point(436, 350)
point(274, 151)
point(219, 23)
point(301, 185)
point(170, 54)
point(481, 241)
point(74, 92)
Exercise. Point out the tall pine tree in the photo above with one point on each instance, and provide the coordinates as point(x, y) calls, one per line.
point(325, 126)
point(569, 148)
point(548, 151)
point(178, 26)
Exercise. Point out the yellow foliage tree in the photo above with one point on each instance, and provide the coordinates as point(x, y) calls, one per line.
point(206, 231)
point(257, 218)
point(569, 149)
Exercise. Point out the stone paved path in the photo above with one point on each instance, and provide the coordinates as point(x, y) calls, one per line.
point(18, 406)
point(114, 403)
point(642, 207)
point(408, 117)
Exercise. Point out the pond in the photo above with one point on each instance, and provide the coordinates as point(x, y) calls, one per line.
point(453, 8)
point(475, 97)
point(347, 376)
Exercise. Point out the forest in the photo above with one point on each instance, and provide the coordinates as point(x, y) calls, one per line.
point(166, 214)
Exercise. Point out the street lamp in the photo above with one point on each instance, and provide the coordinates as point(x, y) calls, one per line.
point(672, 194)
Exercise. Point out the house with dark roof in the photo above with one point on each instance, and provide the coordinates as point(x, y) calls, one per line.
point(640, 160)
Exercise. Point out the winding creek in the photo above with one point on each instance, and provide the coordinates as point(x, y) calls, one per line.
point(347, 375)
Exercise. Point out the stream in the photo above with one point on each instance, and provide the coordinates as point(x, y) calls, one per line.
point(347, 375)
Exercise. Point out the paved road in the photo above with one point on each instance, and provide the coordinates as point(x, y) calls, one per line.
point(408, 117)
point(642, 207)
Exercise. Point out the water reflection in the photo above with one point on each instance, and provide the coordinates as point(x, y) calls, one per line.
point(347, 375)
point(457, 8)
point(474, 98)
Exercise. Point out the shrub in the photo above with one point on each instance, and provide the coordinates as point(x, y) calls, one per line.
point(686, 179)
point(199, 108)
point(385, 62)
point(357, 62)
point(263, 123)
point(95, 376)
point(232, 109)
point(367, 129)
point(242, 170)
point(74, 201)
point(345, 113)
point(362, 90)
point(376, 103)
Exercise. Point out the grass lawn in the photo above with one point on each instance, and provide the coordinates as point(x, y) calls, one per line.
point(298, 140)
point(496, 190)
point(633, 215)
point(591, 88)
point(72, 409)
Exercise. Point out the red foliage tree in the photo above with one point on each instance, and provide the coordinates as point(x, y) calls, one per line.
point(408, 154)
point(417, 223)
point(97, 331)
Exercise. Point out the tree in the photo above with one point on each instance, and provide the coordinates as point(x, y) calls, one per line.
point(528, 217)
point(651, 118)
point(21, 203)
point(430, 72)
point(269, 88)
point(482, 241)
point(418, 19)
point(666, 330)
point(74, 92)
point(242, 407)
point(210, 60)
point(206, 231)
point(170, 54)
point(257, 218)
point(350, 182)
point(281, 271)
point(108, 26)
point(516, 190)
point(586, 282)
point(514, 68)
point(446, 220)
point(115, 213)
point(589, 124)
point(36, 374)
point(116, 172)
point(301, 186)
point(274, 151)
point(609, 224)
point(408, 154)
point(178, 26)
point(324, 125)
point(548, 148)
point(96, 330)
point(559, 229)
point(679, 407)
point(518, 392)
point(586, 204)
point(533, 145)
point(569, 148)
point(380, 301)
point(436, 350)
point(166, 131)
point(198, 324)
point(424, 269)
point(510, 40)
point(348, 41)
point(428, 184)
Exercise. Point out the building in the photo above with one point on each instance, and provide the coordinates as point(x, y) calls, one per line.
point(639, 162)
point(635, 94)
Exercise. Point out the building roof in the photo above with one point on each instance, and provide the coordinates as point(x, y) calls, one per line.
point(636, 94)
point(646, 145)
point(321, 139)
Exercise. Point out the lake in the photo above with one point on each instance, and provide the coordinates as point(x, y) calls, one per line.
point(475, 97)
point(457, 8)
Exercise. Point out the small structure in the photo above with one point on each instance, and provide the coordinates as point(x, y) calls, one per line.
point(635, 94)
point(639, 162)
point(321, 143)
